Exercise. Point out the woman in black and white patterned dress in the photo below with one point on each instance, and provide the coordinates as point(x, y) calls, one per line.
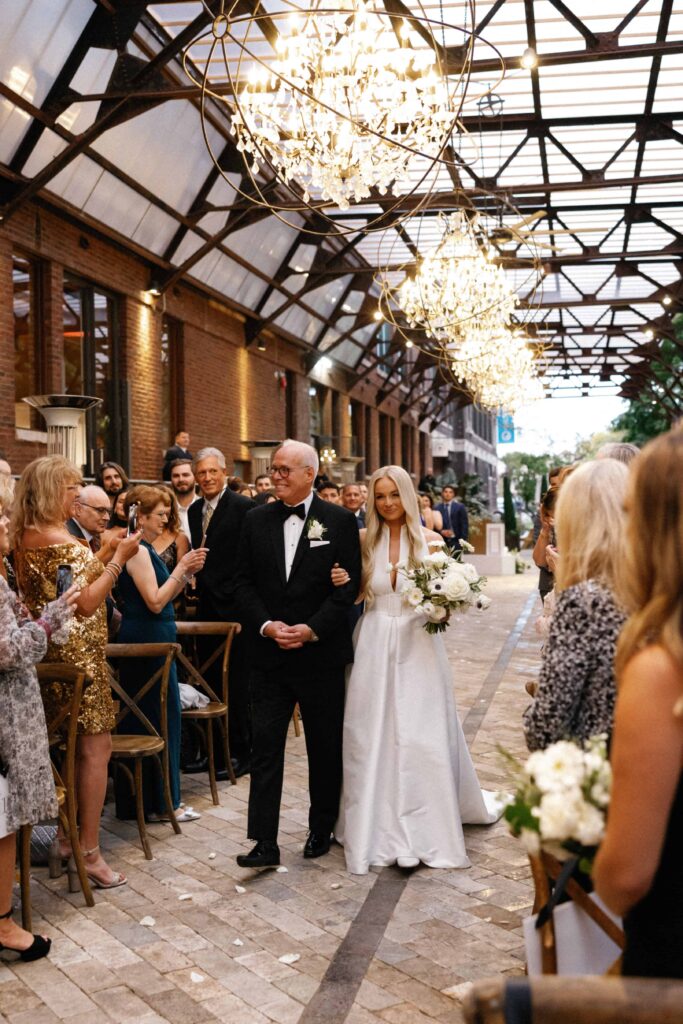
point(576, 692)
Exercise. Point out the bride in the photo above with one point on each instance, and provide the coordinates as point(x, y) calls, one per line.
point(409, 781)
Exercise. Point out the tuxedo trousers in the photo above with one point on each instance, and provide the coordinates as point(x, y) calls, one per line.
point(274, 695)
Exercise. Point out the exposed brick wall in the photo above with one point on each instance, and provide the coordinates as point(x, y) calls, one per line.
point(231, 392)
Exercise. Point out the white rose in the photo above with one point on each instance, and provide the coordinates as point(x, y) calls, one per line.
point(437, 558)
point(560, 814)
point(469, 572)
point(559, 767)
point(467, 547)
point(438, 613)
point(591, 825)
point(456, 587)
point(315, 531)
point(483, 602)
point(414, 596)
point(428, 609)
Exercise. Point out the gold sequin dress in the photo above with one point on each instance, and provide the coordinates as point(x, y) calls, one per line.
point(85, 648)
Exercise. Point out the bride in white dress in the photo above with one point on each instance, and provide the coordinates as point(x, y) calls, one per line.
point(409, 781)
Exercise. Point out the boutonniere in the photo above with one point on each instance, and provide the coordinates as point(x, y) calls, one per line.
point(315, 530)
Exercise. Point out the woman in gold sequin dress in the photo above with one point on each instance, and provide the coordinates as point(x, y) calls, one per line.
point(44, 501)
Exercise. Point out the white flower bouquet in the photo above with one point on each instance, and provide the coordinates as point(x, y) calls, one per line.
point(440, 585)
point(561, 799)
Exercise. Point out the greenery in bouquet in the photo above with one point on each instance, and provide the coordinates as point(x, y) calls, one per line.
point(442, 584)
point(561, 798)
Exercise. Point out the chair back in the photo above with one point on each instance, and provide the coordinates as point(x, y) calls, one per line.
point(61, 718)
point(588, 999)
point(197, 672)
point(130, 704)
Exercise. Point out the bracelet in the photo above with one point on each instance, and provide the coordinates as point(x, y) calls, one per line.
point(115, 566)
point(114, 575)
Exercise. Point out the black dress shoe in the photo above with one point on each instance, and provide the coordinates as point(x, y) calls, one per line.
point(195, 767)
point(266, 854)
point(240, 768)
point(317, 844)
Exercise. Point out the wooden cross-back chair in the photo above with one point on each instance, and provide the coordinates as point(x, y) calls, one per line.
point(545, 868)
point(588, 999)
point(153, 744)
point(62, 731)
point(218, 707)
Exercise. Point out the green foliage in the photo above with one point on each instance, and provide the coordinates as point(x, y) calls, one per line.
point(655, 410)
point(590, 446)
point(524, 470)
point(509, 516)
point(469, 490)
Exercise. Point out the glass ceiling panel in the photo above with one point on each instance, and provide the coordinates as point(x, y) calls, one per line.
point(263, 244)
point(92, 76)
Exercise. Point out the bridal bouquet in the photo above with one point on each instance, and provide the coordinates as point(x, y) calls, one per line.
point(441, 584)
point(561, 799)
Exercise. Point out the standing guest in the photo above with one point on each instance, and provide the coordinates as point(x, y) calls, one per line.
point(216, 522)
point(171, 545)
point(454, 516)
point(329, 492)
point(184, 488)
point(364, 496)
point(179, 450)
point(638, 867)
point(25, 771)
point(263, 483)
point(352, 499)
point(90, 516)
point(619, 450)
point(118, 513)
point(544, 534)
point(111, 478)
point(148, 590)
point(429, 516)
point(44, 502)
point(300, 643)
point(576, 688)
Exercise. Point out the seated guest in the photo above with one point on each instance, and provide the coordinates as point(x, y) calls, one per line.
point(27, 791)
point(184, 488)
point(454, 518)
point(178, 450)
point(147, 591)
point(111, 478)
point(638, 868)
point(329, 491)
point(576, 689)
point(428, 515)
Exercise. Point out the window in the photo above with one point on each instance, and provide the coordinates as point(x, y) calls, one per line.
point(27, 349)
point(172, 409)
point(91, 367)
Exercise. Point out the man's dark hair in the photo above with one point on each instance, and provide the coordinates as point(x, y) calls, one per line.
point(327, 485)
point(181, 430)
point(262, 476)
point(111, 465)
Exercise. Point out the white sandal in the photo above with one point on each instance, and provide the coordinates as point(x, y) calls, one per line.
point(185, 814)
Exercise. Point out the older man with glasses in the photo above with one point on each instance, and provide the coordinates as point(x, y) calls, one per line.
point(89, 521)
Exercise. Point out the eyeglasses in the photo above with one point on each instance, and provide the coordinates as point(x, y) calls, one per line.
point(283, 471)
point(100, 509)
point(161, 515)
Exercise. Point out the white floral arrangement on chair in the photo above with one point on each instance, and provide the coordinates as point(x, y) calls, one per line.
point(561, 799)
point(442, 584)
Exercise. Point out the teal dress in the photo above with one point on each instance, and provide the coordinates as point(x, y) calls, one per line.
point(139, 625)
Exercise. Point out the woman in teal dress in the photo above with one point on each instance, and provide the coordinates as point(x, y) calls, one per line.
point(147, 591)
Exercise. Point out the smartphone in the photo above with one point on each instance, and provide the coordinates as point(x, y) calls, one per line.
point(132, 519)
point(65, 578)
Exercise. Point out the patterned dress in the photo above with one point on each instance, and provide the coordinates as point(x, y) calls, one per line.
point(30, 791)
point(85, 648)
point(576, 688)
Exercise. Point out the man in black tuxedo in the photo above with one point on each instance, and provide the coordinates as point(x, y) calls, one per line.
point(178, 450)
point(298, 629)
point(455, 522)
point(216, 521)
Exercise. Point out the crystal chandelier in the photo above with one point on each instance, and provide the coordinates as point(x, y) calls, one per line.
point(346, 105)
point(456, 288)
point(499, 370)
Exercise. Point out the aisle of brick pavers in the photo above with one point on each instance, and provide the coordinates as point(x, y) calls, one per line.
point(215, 956)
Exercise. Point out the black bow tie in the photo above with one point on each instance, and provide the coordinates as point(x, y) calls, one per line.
point(291, 510)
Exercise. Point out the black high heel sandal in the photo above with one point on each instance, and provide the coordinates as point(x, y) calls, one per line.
point(39, 948)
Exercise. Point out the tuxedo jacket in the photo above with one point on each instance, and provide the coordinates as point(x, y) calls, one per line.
point(308, 596)
point(74, 528)
point(216, 581)
point(454, 517)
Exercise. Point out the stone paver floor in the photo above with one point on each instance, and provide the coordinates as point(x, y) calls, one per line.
point(211, 947)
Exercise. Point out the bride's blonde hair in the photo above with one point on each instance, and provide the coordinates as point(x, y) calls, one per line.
point(374, 523)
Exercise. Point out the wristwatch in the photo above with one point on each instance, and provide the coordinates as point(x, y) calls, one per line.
point(314, 637)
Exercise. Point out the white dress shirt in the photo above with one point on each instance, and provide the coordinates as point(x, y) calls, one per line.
point(292, 528)
point(182, 516)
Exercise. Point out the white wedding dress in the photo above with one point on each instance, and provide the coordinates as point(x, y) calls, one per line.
point(409, 781)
